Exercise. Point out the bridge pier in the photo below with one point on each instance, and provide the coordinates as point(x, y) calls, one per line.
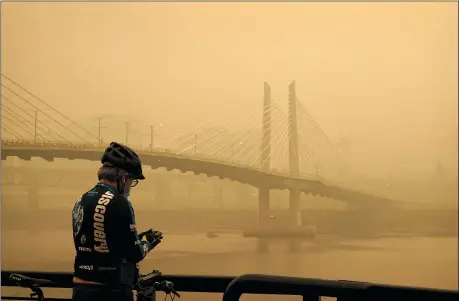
point(218, 193)
point(294, 160)
point(264, 210)
point(294, 165)
point(265, 159)
point(294, 245)
point(294, 207)
point(264, 213)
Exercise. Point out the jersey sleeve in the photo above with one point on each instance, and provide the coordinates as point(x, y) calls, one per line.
point(136, 249)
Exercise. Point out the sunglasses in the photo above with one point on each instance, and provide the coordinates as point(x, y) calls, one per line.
point(134, 181)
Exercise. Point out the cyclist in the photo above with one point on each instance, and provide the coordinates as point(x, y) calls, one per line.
point(108, 246)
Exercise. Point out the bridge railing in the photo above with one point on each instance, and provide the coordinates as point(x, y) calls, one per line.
point(178, 154)
point(233, 287)
point(141, 150)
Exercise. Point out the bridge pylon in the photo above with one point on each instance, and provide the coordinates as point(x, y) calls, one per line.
point(265, 158)
point(294, 163)
point(263, 192)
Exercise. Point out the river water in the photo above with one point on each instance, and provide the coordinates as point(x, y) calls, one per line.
point(425, 262)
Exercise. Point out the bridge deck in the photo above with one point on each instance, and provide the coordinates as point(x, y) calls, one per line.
point(169, 160)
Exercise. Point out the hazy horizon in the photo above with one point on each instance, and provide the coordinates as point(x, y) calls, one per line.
point(382, 75)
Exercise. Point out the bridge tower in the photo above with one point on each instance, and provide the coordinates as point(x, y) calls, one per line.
point(294, 163)
point(265, 158)
point(263, 192)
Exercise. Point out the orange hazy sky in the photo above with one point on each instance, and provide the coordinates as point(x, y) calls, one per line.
point(385, 75)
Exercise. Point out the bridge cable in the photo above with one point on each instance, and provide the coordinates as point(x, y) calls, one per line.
point(213, 142)
point(314, 137)
point(308, 144)
point(304, 129)
point(254, 136)
point(276, 140)
point(13, 122)
point(318, 129)
point(277, 130)
point(302, 156)
point(52, 108)
point(21, 120)
point(7, 129)
point(278, 116)
point(310, 159)
point(229, 144)
point(273, 135)
point(285, 144)
point(195, 129)
point(282, 119)
point(287, 149)
point(258, 146)
point(283, 151)
point(187, 134)
point(53, 119)
point(240, 138)
point(248, 137)
point(258, 137)
point(325, 151)
point(38, 121)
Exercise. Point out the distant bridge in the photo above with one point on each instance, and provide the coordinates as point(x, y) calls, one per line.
point(244, 157)
point(198, 165)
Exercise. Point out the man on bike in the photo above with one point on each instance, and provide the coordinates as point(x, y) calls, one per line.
point(108, 246)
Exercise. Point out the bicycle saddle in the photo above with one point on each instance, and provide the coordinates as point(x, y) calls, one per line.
point(25, 281)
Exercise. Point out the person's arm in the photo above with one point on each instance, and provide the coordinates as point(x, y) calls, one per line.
point(136, 249)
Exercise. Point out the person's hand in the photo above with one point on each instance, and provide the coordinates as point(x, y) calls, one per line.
point(153, 237)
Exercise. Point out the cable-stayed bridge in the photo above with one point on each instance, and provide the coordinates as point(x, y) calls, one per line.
point(283, 152)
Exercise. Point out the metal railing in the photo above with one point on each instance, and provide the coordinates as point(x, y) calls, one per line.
point(233, 287)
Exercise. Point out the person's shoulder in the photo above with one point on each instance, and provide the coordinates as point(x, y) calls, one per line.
point(122, 202)
point(119, 198)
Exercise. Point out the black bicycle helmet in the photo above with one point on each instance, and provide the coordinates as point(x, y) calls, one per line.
point(121, 156)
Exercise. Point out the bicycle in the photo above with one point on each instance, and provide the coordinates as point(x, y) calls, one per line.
point(146, 286)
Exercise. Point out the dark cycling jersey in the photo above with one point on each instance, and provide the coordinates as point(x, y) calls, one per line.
point(107, 244)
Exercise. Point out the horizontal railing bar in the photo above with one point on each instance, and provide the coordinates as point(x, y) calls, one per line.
point(234, 287)
point(267, 284)
point(341, 289)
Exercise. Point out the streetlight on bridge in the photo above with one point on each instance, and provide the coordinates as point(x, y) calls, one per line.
point(100, 128)
point(152, 135)
point(232, 150)
point(35, 122)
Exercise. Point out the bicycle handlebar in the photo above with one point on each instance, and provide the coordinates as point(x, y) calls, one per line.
point(149, 283)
